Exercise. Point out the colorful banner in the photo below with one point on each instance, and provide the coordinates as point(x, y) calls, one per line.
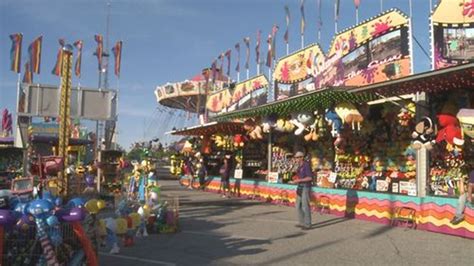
point(453, 33)
point(371, 52)
point(248, 93)
point(15, 52)
point(295, 73)
point(218, 101)
point(34, 52)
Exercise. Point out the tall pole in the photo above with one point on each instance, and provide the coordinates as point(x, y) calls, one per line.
point(302, 41)
point(411, 35)
point(287, 48)
point(357, 16)
point(381, 6)
point(65, 114)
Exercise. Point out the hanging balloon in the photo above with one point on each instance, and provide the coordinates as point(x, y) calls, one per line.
point(76, 202)
point(40, 208)
point(6, 218)
point(92, 206)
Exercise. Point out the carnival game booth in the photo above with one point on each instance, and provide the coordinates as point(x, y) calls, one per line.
point(381, 176)
point(213, 140)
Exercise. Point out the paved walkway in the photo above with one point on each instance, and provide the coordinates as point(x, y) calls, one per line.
point(221, 231)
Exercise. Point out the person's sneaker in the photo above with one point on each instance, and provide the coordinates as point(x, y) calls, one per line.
point(457, 219)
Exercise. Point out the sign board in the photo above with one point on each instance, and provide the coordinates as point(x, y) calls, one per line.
point(381, 185)
point(332, 177)
point(272, 177)
point(43, 100)
point(238, 173)
point(408, 188)
point(374, 51)
point(452, 34)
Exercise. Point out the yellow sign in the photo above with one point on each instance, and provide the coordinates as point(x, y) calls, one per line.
point(299, 66)
point(454, 12)
point(357, 35)
point(245, 87)
point(218, 101)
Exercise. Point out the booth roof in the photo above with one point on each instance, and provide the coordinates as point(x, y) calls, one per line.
point(211, 129)
point(456, 77)
point(313, 100)
point(6, 141)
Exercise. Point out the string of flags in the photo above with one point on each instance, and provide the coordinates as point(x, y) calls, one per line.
point(33, 59)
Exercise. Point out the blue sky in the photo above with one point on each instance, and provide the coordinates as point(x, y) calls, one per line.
point(172, 40)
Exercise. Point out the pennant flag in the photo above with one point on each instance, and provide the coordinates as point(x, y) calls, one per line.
point(302, 26)
point(357, 3)
point(59, 59)
point(274, 32)
point(237, 48)
point(257, 47)
point(77, 66)
point(28, 76)
point(34, 52)
point(99, 50)
point(269, 53)
point(228, 54)
point(221, 57)
point(214, 70)
point(247, 58)
point(336, 10)
point(117, 50)
point(15, 52)
point(286, 36)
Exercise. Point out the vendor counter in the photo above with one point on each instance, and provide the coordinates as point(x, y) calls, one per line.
point(432, 213)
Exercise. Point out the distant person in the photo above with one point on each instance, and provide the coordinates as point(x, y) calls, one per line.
point(461, 205)
point(188, 171)
point(303, 179)
point(201, 171)
point(224, 172)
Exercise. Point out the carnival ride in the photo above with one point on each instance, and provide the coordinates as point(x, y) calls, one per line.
point(191, 95)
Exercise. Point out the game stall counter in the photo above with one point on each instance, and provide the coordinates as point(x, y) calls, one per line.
point(432, 213)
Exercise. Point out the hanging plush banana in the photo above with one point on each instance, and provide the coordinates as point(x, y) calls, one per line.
point(349, 114)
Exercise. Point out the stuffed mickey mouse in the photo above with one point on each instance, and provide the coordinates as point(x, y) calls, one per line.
point(423, 134)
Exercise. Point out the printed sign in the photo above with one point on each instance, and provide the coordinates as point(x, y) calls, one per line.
point(272, 177)
point(453, 33)
point(408, 188)
point(238, 173)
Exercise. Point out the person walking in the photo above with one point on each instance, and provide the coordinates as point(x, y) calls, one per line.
point(224, 171)
point(303, 179)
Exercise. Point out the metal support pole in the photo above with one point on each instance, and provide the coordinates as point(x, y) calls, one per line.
point(269, 155)
point(422, 156)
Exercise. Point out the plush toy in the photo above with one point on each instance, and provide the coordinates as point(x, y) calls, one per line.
point(406, 114)
point(466, 118)
point(269, 122)
point(423, 134)
point(283, 125)
point(335, 121)
point(349, 114)
point(239, 140)
point(450, 130)
point(219, 141)
point(316, 130)
point(253, 130)
point(302, 121)
point(144, 212)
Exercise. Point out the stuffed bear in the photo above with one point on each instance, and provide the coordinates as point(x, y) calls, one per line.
point(239, 140)
point(450, 130)
point(423, 134)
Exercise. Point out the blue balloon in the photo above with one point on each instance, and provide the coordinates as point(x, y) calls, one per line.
point(40, 208)
point(6, 217)
point(76, 202)
point(52, 220)
point(75, 215)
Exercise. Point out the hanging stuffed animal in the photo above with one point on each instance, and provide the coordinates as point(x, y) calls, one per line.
point(283, 125)
point(336, 123)
point(406, 114)
point(316, 129)
point(301, 121)
point(239, 140)
point(349, 114)
point(450, 130)
point(219, 141)
point(423, 134)
point(253, 130)
point(466, 118)
point(269, 122)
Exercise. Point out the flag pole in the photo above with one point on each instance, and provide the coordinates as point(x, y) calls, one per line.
point(357, 15)
point(238, 76)
point(302, 41)
point(411, 35)
point(381, 6)
point(287, 48)
point(248, 73)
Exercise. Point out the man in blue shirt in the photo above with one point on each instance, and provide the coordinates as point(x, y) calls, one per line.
point(303, 179)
